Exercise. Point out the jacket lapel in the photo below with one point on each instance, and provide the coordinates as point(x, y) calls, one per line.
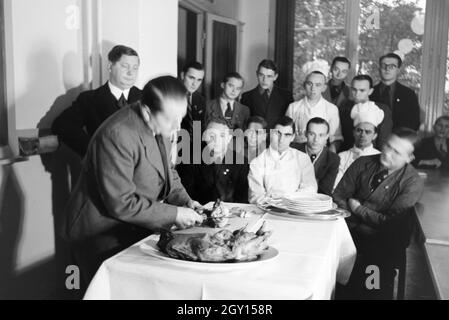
point(149, 142)
point(321, 161)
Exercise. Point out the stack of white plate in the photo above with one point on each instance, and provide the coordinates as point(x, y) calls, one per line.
point(306, 204)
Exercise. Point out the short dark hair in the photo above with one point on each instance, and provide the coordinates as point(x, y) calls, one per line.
point(285, 121)
point(118, 51)
point(268, 64)
point(216, 120)
point(364, 77)
point(340, 59)
point(446, 118)
point(391, 55)
point(192, 65)
point(258, 119)
point(234, 75)
point(408, 134)
point(156, 90)
point(318, 120)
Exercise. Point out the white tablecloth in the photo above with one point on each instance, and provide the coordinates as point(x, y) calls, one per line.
point(313, 255)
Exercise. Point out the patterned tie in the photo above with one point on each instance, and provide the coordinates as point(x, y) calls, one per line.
point(189, 114)
point(228, 113)
point(122, 101)
point(160, 144)
point(313, 157)
point(378, 178)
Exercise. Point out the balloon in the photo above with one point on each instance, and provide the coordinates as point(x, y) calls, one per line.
point(405, 46)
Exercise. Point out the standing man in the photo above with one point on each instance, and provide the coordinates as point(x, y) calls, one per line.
point(402, 100)
point(226, 107)
point(128, 187)
point(362, 88)
point(337, 91)
point(77, 124)
point(314, 105)
point(325, 162)
point(267, 100)
point(380, 191)
point(192, 77)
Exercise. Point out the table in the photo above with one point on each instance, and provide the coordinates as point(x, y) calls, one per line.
point(313, 255)
point(433, 220)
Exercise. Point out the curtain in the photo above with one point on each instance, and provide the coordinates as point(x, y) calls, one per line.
point(284, 46)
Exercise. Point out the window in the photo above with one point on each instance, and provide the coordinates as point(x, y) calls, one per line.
point(322, 31)
point(3, 106)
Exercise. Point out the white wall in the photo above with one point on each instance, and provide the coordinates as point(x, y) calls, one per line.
point(255, 14)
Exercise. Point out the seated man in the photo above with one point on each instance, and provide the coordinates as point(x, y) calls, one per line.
point(324, 161)
point(256, 137)
point(222, 174)
point(380, 191)
point(280, 170)
point(361, 88)
point(366, 121)
point(314, 105)
point(432, 152)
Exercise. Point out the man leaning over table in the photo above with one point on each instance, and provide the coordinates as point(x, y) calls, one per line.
point(380, 191)
point(128, 187)
point(280, 170)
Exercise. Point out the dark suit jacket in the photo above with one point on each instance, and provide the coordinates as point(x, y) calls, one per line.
point(198, 111)
point(426, 150)
point(121, 181)
point(347, 125)
point(240, 114)
point(405, 110)
point(275, 108)
point(387, 210)
point(341, 98)
point(77, 124)
point(227, 182)
point(326, 168)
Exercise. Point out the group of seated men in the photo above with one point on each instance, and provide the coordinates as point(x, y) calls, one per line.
point(353, 142)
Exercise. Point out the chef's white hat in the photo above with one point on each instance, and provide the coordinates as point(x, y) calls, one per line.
point(367, 112)
point(316, 65)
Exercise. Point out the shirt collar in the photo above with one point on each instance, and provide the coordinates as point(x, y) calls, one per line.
point(306, 102)
point(224, 103)
point(275, 154)
point(117, 92)
point(364, 151)
point(317, 155)
point(262, 90)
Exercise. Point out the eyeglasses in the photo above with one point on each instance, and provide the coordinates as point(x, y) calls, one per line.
point(388, 67)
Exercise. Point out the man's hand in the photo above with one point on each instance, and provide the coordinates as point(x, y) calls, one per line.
point(195, 205)
point(353, 204)
point(187, 218)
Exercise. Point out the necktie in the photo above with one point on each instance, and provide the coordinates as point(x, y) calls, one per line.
point(378, 178)
point(313, 157)
point(122, 101)
point(160, 144)
point(228, 113)
point(386, 99)
point(266, 95)
point(189, 115)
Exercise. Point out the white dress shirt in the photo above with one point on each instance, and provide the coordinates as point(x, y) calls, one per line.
point(301, 112)
point(272, 175)
point(117, 92)
point(349, 156)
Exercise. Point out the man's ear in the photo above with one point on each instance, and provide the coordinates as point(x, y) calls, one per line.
point(275, 77)
point(375, 136)
point(370, 92)
point(222, 85)
point(182, 75)
point(109, 66)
